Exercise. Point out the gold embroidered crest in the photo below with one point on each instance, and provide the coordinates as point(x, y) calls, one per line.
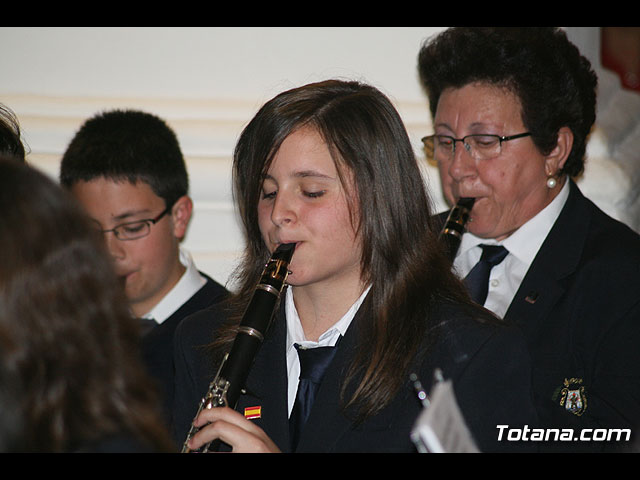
point(573, 397)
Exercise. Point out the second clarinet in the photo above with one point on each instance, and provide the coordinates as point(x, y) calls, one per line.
point(225, 389)
point(454, 227)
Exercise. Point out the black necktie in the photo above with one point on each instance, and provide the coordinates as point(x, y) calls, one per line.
point(477, 280)
point(313, 364)
point(146, 325)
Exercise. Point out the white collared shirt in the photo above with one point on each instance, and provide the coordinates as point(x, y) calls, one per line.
point(295, 334)
point(523, 246)
point(190, 282)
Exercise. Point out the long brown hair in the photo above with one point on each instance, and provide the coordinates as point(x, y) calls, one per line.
point(401, 258)
point(68, 340)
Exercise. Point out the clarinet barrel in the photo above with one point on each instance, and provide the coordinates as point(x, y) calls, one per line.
point(255, 321)
point(454, 227)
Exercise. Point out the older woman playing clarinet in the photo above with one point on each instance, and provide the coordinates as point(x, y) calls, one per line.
point(512, 109)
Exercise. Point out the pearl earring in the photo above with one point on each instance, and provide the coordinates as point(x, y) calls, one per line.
point(551, 182)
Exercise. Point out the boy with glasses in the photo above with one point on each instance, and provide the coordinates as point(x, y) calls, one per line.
point(127, 170)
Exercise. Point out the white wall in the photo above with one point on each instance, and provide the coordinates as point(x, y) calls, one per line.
point(207, 83)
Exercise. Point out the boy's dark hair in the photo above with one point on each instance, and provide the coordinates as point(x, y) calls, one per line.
point(127, 145)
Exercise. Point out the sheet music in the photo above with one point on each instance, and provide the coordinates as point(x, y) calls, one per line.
point(441, 428)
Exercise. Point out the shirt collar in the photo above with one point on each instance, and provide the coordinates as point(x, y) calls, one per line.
point(190, 282)
point(295, 334)
point(525, 242)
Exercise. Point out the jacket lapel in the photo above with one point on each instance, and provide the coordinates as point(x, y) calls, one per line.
point(267, 388)
point(267, 384)
point(557, 259)
point(327, 422)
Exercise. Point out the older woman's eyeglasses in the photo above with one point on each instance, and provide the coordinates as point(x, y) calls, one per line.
point(479, 146)
point(138, 229)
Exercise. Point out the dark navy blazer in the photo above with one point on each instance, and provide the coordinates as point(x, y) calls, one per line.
point(579, 307)
point(157, 345)
point(488, 365)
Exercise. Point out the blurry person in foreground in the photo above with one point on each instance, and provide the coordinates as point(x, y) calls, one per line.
point(68, 347)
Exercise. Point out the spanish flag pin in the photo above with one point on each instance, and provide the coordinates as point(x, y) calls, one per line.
point(251, 413)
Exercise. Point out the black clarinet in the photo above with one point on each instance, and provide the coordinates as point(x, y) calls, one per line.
point(454, 227)
point(227, 386)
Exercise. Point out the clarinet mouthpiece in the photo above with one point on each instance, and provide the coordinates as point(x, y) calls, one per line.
point(284, 251)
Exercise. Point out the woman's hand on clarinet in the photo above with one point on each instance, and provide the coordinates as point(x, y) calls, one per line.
point(233, 429)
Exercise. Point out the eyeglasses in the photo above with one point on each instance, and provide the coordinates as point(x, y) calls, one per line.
point(138, 229)
point(480, 146)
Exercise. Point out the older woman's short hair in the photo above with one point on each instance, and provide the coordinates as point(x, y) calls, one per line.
point(555, 84)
